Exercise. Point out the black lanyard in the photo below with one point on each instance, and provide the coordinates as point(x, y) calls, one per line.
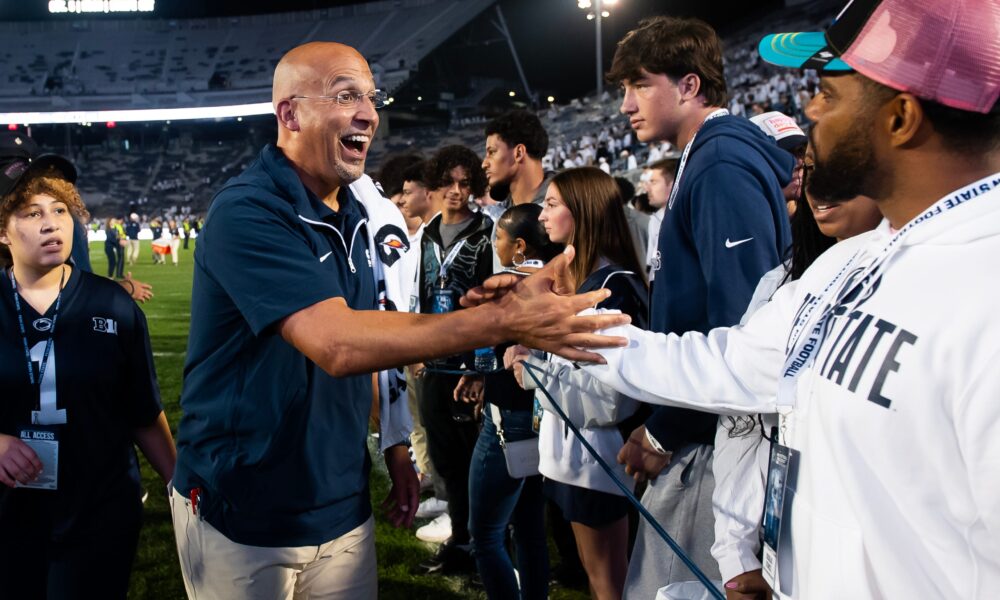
point(24, 335)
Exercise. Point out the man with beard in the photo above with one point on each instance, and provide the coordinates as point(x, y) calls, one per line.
point(297, 274)
point(881, 360)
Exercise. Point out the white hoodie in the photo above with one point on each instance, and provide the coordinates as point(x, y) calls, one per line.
point(389, 244)
point(896, 501)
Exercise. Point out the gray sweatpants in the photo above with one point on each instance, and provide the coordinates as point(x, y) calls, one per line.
point(681, 500)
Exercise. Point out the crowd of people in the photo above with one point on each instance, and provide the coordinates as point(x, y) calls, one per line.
point(122, 239)
point(549, 341)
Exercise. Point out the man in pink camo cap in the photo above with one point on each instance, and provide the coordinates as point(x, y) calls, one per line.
point(882, 359)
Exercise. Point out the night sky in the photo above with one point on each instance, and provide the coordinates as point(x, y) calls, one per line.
point(716, 11)
point(554, 39)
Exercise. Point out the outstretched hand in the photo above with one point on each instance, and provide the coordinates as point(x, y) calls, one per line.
point(556, 272)
point(538, 312)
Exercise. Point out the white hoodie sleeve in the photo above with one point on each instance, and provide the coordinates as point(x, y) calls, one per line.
point(586, 401)
point(977, 428)
point(731, 370)
point(739, 463)
point(737, 500)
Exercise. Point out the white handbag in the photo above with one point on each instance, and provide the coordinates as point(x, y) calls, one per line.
point(521, 456)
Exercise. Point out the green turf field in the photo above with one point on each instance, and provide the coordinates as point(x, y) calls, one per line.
point(156, 574)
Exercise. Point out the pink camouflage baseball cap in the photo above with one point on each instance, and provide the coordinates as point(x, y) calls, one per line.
point(947, 51)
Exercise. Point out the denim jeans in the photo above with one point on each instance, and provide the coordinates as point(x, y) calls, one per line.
point(496, 499)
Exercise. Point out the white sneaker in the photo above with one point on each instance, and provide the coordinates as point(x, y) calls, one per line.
point(438, 530)
point(431, 508)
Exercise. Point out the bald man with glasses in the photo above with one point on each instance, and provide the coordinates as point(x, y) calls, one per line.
point(292, 312)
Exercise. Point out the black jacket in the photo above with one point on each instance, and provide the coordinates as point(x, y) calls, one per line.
point(472, 265)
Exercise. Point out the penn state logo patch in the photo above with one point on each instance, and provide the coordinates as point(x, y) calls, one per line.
point(391, 242)
point(42, 324)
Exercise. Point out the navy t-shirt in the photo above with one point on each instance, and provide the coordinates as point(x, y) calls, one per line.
point(277, 446)
point(106, 382)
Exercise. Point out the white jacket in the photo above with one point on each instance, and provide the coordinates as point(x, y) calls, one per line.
point(893, 502)
point(562, 457)
point(739, 464)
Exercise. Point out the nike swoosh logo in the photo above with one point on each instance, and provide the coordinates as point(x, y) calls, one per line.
point(325, 256)
point(736, 243)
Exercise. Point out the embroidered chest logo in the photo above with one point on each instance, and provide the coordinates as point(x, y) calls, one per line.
point(42, 324)
point(104, 325)
point(391, 242)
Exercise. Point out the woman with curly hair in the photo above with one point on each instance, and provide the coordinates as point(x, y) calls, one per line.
point(79, 389)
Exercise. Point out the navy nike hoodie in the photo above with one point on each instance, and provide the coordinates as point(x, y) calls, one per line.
point(727, 227)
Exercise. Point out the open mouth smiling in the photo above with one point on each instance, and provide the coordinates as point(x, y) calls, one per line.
point(356, 144)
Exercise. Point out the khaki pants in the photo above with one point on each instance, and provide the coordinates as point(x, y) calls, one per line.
point(216, 568)
point(132, 252)
point(418, 437)
point(175, 248)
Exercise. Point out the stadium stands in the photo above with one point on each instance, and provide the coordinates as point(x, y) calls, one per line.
point(100, 63)
point(108, 64)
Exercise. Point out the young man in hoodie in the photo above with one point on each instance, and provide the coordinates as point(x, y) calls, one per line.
point(456, 255)
point(725, 226)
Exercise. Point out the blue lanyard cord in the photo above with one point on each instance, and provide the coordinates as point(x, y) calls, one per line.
point(436, 371)
point(714, 591)
point(24, 335)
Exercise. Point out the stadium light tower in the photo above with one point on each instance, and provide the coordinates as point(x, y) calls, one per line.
point(597, 11)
